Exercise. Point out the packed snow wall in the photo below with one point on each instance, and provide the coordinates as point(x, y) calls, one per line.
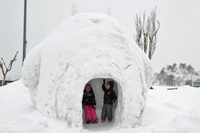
point(84, 47)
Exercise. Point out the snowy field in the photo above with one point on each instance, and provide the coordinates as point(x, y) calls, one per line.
point(167, 111)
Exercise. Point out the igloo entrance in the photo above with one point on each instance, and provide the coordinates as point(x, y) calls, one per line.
point(99, 94)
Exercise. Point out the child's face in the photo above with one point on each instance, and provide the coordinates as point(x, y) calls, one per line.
point(87, 86)
point(107, 86)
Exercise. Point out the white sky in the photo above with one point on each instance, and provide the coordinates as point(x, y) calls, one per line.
point(178, 37)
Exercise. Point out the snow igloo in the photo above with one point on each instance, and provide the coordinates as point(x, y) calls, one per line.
point(87, 47)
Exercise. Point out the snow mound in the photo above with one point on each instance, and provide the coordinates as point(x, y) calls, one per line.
point(84, 47)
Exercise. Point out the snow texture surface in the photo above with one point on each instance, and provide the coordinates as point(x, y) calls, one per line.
point(84, 47)
point(166, 111)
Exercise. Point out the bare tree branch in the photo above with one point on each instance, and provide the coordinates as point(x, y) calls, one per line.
point(4, 63)
point(7, 68)
point(146, 32)
point(1, 65)
point(138, 36)
point(11, 62)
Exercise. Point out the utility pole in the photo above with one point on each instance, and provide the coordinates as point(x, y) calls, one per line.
point(24, 36)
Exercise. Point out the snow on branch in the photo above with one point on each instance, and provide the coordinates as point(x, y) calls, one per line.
point(146, 32)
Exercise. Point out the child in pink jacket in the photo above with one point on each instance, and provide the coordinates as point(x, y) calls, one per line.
point(89, 104)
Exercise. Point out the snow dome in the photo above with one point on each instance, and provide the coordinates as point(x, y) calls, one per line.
point(87, 47)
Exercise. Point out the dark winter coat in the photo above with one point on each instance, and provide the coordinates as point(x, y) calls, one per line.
point(109, 94)
point(88, 99)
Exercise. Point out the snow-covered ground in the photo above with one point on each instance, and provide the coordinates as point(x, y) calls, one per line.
point(167, 111)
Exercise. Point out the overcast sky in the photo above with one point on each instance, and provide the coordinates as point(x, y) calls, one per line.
point(178, 37)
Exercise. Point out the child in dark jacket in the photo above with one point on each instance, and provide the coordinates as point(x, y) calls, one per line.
point(89, 104)
point(109, 98)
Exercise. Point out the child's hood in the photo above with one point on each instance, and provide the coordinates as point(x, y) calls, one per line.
point(111, 83)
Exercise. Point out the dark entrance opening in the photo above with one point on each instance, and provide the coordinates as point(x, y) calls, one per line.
point(99, 94)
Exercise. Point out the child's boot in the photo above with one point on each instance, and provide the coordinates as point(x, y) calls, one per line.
point(95, 120)
point(88, 121)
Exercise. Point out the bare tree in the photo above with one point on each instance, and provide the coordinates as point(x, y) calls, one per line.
point(182, 66)
point(190, 69)
point(173, 75)
point(146, 32)
point(7, 69)
point(146, 29)
point(174, 67)
point(170, 80)
point(138, 36)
